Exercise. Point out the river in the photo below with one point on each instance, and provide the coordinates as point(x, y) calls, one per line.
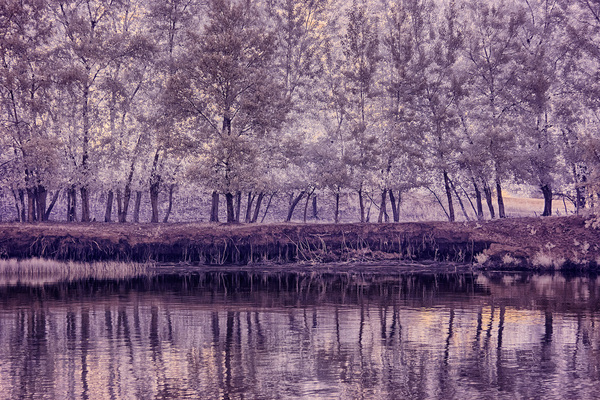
point(316, 333)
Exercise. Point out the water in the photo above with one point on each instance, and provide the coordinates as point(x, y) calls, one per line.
point(358, 334)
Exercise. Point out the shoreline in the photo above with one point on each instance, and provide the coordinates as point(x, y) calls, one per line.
point(513, 243)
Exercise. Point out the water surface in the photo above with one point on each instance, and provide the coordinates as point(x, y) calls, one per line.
point(269, 334)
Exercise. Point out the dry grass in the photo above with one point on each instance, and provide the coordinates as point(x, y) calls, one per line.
point(40, 271)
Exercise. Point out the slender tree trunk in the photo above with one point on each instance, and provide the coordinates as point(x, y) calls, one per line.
point(214, 210)
point(451, 217)
point(395, 207)
point(170, 206)
point(547, 192)
point(230, 208)
point(154, 190)
point(460, 202)
point(293, 205)
point(336, 214)
point(383, 215)
point(41, 198)
point(109, 205)
point(85, 204)
point(72, 204)
point(306, 204)
point(137, 205)
point(478, 200)
point(361, 204)
point(267, 208)
point(501, 212)
point(259, 200)
point(315, 215)
point(249, 207)
point(22, 201)
point(488, 199)
point(238, 205)
point(52, 204)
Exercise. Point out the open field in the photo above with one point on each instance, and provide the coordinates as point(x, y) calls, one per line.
point(551, 242)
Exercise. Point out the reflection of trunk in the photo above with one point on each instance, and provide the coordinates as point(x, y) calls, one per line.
point(136, 206)
point(109, 205)
point(154, 190)
point(383, 215)
point(336, 215)
point(547, 192)
point(451, 217)
point(395, 206)
point(501, 213)
point(259, 200)
point(214, 209)
point(230, 208)
point(293, 205)
point(478, 199)
point(488, 199)
point(170, 206)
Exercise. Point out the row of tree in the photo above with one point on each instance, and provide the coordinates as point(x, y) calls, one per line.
point(253, 97)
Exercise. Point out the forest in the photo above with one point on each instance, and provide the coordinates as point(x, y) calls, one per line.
point(238, 102)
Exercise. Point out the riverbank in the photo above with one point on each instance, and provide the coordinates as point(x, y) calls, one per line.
point(552, 242)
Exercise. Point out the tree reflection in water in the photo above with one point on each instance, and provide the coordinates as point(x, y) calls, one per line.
point(246, 334)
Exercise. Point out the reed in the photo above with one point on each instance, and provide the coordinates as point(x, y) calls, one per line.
point(40, 270)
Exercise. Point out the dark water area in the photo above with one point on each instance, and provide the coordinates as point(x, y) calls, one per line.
point(271, 334)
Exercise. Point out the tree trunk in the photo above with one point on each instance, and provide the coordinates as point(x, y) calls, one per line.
point(124, 203)
point(170, 206)
point(230, 208)
point(72, 204)
point(41, 198)
point(137, 205)
point(259, 200)
point(109, 206)
point(293, 205)
point(214, 209)
point(306, 204)
point(30, 205)
point(267, 208)
point(488, 199)
point(501, 212)
point(315, 215)
point(249, 207)
point(52, 204)
point(361, 204)
point(383, 215)
point(238, 206)
point(336, 214)
point(451, 217)
point(395, 207)
point(154, 190)
point(85, 204)
point(547, 192)
point(478, 200)
point(460, 202)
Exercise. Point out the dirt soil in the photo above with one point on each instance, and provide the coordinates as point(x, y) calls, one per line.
point(545, 243)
